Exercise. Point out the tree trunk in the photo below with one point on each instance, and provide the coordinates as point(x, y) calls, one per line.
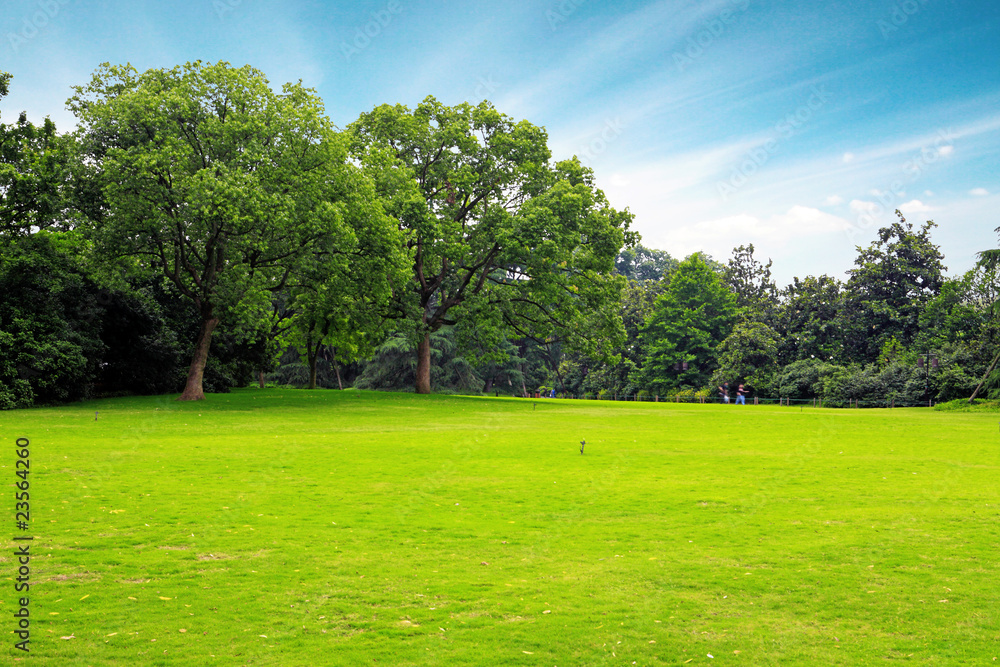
point(522, 351)
point(489, 385)
point(559, 377)
point(312, 354)
point(424, 365)
point(985, 377)
point(260, 379)
point(193, 390)
point(555, 365)
point(336, 369)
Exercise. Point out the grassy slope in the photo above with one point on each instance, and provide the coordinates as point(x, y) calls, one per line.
point(354, 528)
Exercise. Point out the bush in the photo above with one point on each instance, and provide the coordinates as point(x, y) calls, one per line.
point(802, 379)
point(15, 392)
point(963, 405)
point(953, 383)
point(685, 395)
point(897, 384)
point(50, 324)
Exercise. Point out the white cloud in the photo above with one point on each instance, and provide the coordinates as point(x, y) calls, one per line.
point(833, 200)
point(717, 236)
point(859, 206)
point(743, 223)
point(915, 206)
point(946, 151)
point(979, 192)
point(806, 221)
point(848, 157)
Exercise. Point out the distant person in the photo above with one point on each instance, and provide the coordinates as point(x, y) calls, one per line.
point(724, 392)
point(741, 398)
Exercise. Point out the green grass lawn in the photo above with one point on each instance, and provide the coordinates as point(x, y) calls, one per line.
point(283, 527)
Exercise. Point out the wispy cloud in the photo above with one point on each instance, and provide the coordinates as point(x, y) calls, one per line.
point(609, 54)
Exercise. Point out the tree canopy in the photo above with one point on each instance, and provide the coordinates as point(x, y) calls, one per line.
point(503, 240)
point(687, 323)
point(750, 280)
point(641, 263)
point(33, 170)
point(891, 283)
point(212, 179)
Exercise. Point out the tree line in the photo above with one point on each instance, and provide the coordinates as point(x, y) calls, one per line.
point(897, 330)
point(199, 230)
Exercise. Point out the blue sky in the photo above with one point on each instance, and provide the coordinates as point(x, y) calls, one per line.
point(794, 127)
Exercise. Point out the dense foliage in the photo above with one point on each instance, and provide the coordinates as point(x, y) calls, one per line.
point(504, 241)
point(200, 231)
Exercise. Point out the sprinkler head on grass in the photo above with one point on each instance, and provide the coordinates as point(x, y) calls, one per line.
point(583, 443)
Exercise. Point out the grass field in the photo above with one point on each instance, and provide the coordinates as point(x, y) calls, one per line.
point(283, 527)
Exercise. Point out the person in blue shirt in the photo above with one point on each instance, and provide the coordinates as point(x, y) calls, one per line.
point(741, 398)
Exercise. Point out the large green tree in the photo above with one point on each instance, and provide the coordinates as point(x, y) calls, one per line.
point(505, 243)
point(751, 282)
point(33, 168)
point(635, 306)
point(213, 179)
point(687, 323)
point(749, 355)
point(807, 319)
point(892, 282)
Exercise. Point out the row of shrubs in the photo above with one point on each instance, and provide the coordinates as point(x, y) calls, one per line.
point(641, 395)
point(891, 383)
point(900, 383)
